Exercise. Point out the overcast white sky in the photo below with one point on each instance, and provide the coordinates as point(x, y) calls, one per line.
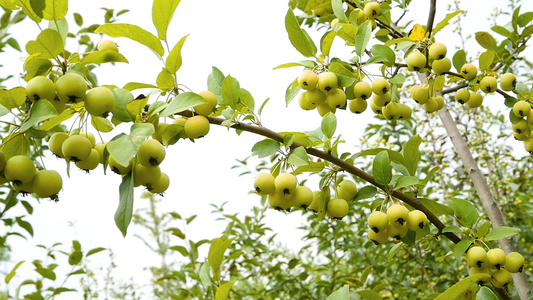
point(243, 38)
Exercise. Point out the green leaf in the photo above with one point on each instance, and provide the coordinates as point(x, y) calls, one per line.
point(309, 64)
point(299, 157)
point(49, 44)
point(205, 274)
point(364, 33)
point(459, 59)
point(501, 30)
point(298, 37)
point(60, 26)
point(162, 12)
point(75, 257)
point(121, 149)
point(485, 40)
point(465, 212)
point(312, 167)
point(125, 207)
point(366, 192)
point(486, 293)
point(398, 79)
point(341, 294)
point(216, 255)
point(165, 80)
point(246, 99)
point(482, 230)
point(348, 32)
point(344, 76)
point(329, 125)
point(451, 229)
point(38, 7)
point(325, 43)
point(377, 59)
point(131, 86)
point(404, 181)
point(100, 57)
point(12, 98)
point(338, 10)
point(411, 154)
point(46, 273)
point(101, 124)
point(524, 19)
point(394, 156)
point(325, 195)
point(54, 121)
point(430, 174)
point(78, 19)
point(122, 98)
point(214, 82)
point(40, 111)
point(436, 208)
point(405, 40)
point(139, 132)
point(223, 291)
point(382, 169)
point(460, 248)
point(54, 10)
point(17, 144)
point(230, 91)
point(444, 22)
point(35, 67)
point(181, 250)
point(394, 250)
point(292, 90)
point(182, 102)
point(386, 52)
point(28, 9)
point(13, 272)
point(135, 33)
point(174, 61)
point(265, 148)
point(369, 295)
point(486, 59)
point(95, 250)
point(501, 232)
point(461, 289)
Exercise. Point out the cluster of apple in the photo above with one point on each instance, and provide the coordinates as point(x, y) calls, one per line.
point(88, 155)
point(395, 223)
point(80, 148)
point(522, 127)
point(26, 179)
point(380, 103)
point(283, 193)
point(68, 89)
point(321, 92)
point(494, 263)
point(370, 11)
point(71, 88)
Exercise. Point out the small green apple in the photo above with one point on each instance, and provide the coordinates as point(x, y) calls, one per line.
point(308, 79)
point(469, 71)
point(357, 105)
point(437, 51)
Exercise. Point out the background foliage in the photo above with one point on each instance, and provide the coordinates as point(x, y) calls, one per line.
point(246, 261)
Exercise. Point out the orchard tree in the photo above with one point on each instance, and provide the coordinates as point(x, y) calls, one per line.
point(422, 217)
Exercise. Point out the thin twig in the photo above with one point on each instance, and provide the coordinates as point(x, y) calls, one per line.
point(431, 18)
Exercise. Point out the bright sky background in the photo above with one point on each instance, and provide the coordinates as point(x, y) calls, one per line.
point(243, 38)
